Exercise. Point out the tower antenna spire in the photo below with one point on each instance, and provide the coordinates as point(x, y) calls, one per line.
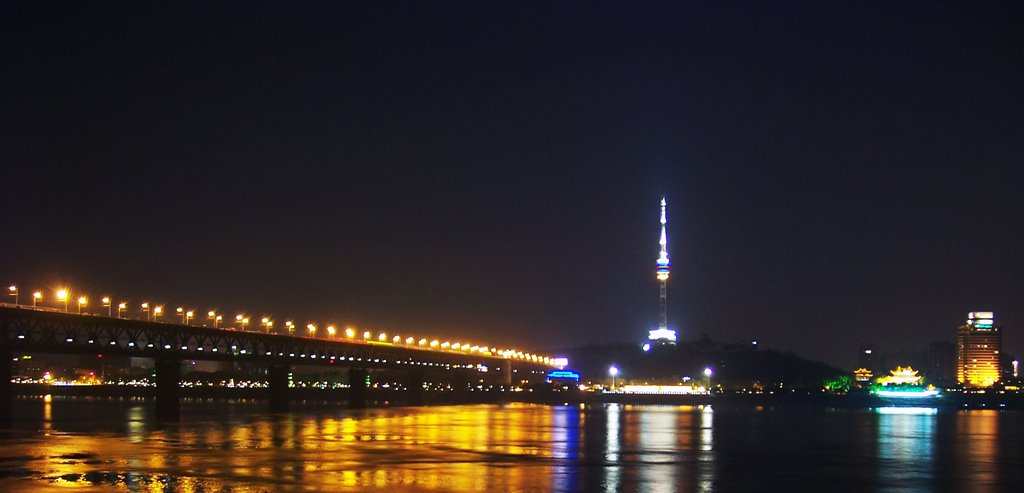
point(663, 334)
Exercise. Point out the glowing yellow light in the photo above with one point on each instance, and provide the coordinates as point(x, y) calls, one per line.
point(158, 310)
point(37, 295)
point(188, 314)
point(331, 330)
point(211, 314)
point(122, 306)
point(366, 335)
point(901, 376)
point(422, 342)
point(434, 343)
point(382, 337)
point(62, 294)
point(396, 339)
point(410, 340)
point(145, 306)
point(83, 301)
point(105, 300)
point(13, 289)
point(264, 320)
point(349, 332)
point(446, 345)
point(238, 317)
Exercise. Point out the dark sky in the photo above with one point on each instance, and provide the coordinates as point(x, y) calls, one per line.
point(837, 172)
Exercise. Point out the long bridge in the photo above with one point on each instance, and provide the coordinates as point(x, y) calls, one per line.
point(28, 330)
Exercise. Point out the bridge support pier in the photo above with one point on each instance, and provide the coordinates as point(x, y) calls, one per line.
point(278, 378)
point(168, 388)
point(508, 373)
point(6, 389)
point(357, 387)
point(460, 385)
point(414, 388)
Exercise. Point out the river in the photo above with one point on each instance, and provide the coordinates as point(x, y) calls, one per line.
point(57, 444)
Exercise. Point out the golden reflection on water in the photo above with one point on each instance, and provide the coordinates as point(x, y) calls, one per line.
point(467, 448)
point(517, 447)
point(980, 430)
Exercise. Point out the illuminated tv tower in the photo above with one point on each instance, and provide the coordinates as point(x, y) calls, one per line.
point(663, 334)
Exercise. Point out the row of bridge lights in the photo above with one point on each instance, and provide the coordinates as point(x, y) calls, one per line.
point(154, 312)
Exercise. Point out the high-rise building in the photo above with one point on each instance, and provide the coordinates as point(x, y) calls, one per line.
point(978, 345)
point(663, 335)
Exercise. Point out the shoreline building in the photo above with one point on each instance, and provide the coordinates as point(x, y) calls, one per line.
point(978, 346)
point(663, 335)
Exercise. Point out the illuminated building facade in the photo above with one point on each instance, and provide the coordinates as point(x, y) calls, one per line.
point(901, 376)
point(862, 375)
point(979, 342)
point(663, 335)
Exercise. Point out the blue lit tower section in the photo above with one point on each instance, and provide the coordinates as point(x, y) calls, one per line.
point(662, 334)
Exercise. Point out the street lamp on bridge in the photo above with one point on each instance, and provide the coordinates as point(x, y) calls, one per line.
point(62, 296)
point(268, 323)
point(157, 311)
point(106, 304)
point(121, 307)
point(36, 298)
point(145, 308)
point(312, 329)
point(13, 291)
point(82, 301)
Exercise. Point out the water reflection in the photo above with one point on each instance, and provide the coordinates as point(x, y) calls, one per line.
point(657, 448)
point(905, 438)
point(612, 468)
point(118, 445)
point(979, 438)
point(705, 469)
point(565, 441)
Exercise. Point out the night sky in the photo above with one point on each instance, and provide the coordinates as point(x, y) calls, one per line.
point(837, 173)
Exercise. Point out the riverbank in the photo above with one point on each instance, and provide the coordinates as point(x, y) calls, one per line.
point(392, 397)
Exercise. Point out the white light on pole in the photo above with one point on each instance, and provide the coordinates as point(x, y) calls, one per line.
point(614, 372)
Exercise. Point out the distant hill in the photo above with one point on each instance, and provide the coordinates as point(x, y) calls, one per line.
point(733, 365)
